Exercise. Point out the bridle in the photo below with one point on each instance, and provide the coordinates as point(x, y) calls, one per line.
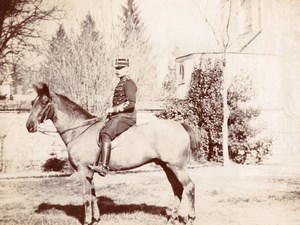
point(46, 114)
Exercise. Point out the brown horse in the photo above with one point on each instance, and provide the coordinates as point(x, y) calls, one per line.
point(164, 142)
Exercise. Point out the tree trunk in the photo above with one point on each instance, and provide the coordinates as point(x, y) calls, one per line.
point(226, 83)
point(2, 153)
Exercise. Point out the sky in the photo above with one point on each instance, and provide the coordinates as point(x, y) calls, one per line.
point(177, 23)
point(169, 23)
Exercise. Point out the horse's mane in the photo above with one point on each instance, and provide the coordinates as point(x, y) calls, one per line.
point(75, 107)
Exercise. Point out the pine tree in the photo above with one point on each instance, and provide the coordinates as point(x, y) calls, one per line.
point(92, 73)
point(132, 22)
point(78, 68)
point(56, 64)
point(134, 44)
point(168, 89)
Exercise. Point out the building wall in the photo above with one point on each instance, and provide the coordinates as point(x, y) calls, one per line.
point(184, 77)
point(272, 59)
point(23, 150)
point(5, 89)
point(267, 74)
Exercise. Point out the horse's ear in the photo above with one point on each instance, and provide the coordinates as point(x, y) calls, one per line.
point(42, 89)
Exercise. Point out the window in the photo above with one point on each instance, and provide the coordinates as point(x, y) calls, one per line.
point(181, 74)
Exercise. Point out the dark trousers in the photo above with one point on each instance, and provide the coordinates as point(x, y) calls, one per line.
point(117, 125)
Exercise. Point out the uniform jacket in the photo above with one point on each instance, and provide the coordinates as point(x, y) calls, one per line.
point(124, 97)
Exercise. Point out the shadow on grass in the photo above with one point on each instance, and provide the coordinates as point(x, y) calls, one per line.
point(106, 206)
point(76, 211)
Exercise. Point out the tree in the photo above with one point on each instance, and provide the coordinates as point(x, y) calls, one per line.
point(19, 20)
point(81, 67)
point(168, 89)
point(78, 68)
point(57, 66)
point(134, 44)
point(227, 38)
point(93, 73)
point(132, 22)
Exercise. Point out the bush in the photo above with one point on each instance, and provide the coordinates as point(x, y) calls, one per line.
point(244, 146)
point(55, 164)
point(203, 108)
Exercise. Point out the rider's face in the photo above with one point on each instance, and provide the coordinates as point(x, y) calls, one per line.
point(121, 71)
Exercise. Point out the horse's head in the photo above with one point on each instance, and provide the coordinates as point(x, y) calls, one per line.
point(41, 108)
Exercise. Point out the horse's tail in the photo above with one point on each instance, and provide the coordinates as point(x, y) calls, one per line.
point(194, 138)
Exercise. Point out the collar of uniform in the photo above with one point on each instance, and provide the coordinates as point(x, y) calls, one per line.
point(124, 78)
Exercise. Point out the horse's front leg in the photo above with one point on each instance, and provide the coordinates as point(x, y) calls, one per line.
point(95, 208)
point(87, 196)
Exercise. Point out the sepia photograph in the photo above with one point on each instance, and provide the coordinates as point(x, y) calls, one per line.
point(142, 112)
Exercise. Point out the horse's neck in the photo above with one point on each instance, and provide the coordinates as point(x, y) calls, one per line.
point(69, 121)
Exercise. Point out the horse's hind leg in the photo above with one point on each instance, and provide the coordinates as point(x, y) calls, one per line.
point(189, 188)
point(177, 190)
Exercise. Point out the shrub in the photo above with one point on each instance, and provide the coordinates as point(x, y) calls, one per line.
point(243, 142)
point(55, 164)
point(203, 108)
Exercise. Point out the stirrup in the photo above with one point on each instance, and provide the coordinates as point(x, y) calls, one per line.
point(101, 169)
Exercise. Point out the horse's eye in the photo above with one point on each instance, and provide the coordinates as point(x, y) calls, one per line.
point(44, 100)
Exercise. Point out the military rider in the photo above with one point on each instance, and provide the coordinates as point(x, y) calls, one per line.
point(122, 115)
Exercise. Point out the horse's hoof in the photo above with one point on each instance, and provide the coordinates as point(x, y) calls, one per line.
point(171, 221)
point(96, 222)
point(88, 222)
point(189, 221)
point(92, 223)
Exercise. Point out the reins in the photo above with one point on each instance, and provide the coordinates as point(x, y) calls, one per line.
point(88, 122)
point(84, 123)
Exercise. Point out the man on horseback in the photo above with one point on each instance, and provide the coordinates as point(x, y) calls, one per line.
point(122, 115)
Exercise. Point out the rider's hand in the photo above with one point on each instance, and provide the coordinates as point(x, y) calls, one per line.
point(109, 110)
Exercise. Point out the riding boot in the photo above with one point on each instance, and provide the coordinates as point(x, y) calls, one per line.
point(102, 167)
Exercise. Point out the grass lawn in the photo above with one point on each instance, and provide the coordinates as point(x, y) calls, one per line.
point(242, 195)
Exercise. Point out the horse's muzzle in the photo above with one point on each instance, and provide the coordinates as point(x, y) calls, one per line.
point(31, 127)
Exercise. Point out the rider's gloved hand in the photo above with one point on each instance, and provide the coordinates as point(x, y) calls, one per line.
point(110, 110)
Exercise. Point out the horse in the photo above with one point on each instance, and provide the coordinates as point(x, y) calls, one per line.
point(167, 143)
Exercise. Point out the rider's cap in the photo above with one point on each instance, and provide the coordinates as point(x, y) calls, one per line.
point(120, 63)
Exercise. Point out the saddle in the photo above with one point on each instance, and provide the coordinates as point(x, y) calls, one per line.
point(120, 137)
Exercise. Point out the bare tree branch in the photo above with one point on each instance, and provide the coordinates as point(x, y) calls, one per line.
point(204, 17)
point(19, 25)
point(225, 45)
